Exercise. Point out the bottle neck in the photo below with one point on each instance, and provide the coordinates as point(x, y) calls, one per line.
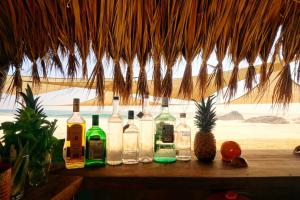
point(183, 120)
point(146, 107)
point(76, 114)
point(130, 121)
point(164, 109)
point(115, 107)
point(76, 108)
point(95, 124)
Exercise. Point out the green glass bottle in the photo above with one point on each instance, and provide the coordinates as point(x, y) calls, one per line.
point(164, 151)
point(95, 154)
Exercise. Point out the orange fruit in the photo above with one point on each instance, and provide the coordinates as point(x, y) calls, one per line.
point(230, 150)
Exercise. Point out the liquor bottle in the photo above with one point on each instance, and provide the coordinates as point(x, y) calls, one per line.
point(130, 141)
point(146, 135)
point(114, 145)
point(164, 150)
point(95, 144)
point(183, 139)
point(75, 142)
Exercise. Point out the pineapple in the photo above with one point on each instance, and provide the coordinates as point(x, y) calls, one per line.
point(205, 120)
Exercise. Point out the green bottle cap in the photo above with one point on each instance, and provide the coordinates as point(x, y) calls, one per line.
point(95, 119)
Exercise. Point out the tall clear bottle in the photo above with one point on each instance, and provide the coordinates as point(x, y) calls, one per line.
point(114, 143)
point(95, 144)
point(146, 135)
point(75, 141)
point(130, 141)
point(183, 139)
point(164, 150)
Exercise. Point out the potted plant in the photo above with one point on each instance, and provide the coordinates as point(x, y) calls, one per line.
point(5, 177)
point(32, 135)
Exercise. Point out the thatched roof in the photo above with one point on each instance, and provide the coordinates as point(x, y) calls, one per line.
point(162, 30)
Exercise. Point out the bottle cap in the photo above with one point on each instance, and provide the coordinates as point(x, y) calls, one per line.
point(95, 120)
point(116, 98)
point(76, 103)
point(130, 114)
point(182, 115)
point(165, 102)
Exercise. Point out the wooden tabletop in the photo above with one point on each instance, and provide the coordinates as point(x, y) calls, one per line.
point(265, 167)
point(57, 188)
point(269, 163)
point(270, 174)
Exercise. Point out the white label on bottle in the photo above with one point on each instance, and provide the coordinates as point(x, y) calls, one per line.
point(185, 133)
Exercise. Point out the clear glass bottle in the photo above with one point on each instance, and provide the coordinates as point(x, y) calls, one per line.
point(114, 143)
point(95, 144)
point(130, 141)
point(164, 150)
point(75, 141)
point(183, 140)
point(146, 135)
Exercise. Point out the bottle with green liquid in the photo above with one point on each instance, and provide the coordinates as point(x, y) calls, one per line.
point(164, 151)
point(95, 154)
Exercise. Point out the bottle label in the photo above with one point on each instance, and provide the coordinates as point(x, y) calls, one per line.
point(74, 135)
point(185, 133)
point(95, 148)
point(167, 134)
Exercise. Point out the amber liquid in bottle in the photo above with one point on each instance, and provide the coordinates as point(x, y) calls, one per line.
point(75, 141)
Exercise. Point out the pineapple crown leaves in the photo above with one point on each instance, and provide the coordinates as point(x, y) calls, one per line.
point(29, 101)
point(31, 126)
point(205, 118)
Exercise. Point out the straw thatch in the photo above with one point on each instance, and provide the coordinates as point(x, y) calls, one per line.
point(121, 30)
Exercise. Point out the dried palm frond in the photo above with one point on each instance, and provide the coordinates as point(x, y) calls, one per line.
point(35, 74)
point(219, 78)
point(97, 34)
point(290, 47)
point(154, 12)
point(116, 15)
point(97, 77)
point(191, 47)
point(16, 82)
point(208, 28)
point(44, 68)
point(232, 84)
point(186, 87)
point(56, 62)
point(128, 83)
point(250, 78)
point(176, 15)
point(283, 89)
point(255, 45)
point(222, 37)
point(242, 38)
point(203, 79)
point(73, 65)
point(142, 48)
point(3, 74)
point(123, 29)
point(128, 48)
point(267, 38)
point(81, 37)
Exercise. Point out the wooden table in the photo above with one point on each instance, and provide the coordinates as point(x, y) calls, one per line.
point(269, 174)
point(57, 188)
